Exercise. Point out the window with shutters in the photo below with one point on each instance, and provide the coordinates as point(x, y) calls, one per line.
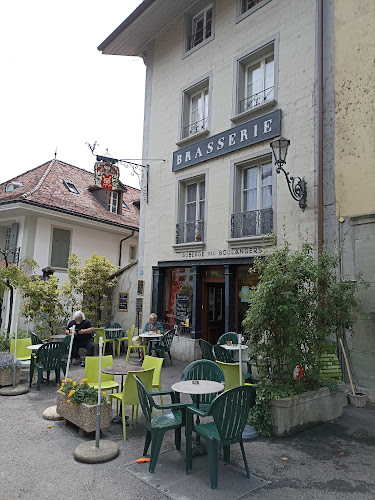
point(60, 248)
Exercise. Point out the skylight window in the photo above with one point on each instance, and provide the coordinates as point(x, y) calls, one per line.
point(71, 187)
point(11, 186)
point(125, 205)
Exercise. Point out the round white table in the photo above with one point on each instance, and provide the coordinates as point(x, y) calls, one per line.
point(234, 347)
point(150, 337)
point(34, 347)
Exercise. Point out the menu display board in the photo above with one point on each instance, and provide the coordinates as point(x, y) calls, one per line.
point(123, 298)
point(182, 306)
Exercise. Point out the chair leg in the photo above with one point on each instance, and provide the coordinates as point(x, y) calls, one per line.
point(156, 441)
point(245, 459)
point(188, 432)
point(127, 354)
point(132, 414)
point(147, 442)
point(177, 438)
point(213, 459)
point(123, 421)
point(114, 348)
point(40, 375)
point(170, 357)
point(226, 449)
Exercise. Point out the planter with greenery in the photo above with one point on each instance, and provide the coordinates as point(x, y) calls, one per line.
point(7, 369)
point(77, 403)
point(298, 307)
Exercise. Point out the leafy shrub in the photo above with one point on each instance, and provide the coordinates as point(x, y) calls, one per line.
point(80, 392)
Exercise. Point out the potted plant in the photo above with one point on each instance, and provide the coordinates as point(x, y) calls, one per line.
point(198, 237)
point(77, 403)
point(297, 308)
point(7, 369)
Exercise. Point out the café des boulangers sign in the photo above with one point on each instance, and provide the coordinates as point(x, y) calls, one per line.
point(260, 129)
point(106, 175)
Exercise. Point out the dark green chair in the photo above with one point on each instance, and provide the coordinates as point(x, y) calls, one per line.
point(157, 426)
point(230, 412)
point(66, 342)
point(47, 358)
point(35, 339)
point(207, 350)
point(164, 345)
point(232, 336)
point(223, 355)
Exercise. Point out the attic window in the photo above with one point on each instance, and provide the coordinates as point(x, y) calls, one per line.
point(11, 186)
point(71, 187)
point(125, 205)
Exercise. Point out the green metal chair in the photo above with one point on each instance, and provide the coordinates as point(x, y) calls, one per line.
point(230, 412)
point(164, 345)
point(207, 350)
point(157, 426)
point(47, 358)
point(203, 369)
point(123, 339)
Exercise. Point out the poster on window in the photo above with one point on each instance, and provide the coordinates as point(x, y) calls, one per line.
point(106, 175)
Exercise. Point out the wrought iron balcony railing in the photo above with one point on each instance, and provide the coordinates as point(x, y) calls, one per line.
point(252, 223)
point(187, 232)
point(256, 99)
point(196, 127)
point(200, 35)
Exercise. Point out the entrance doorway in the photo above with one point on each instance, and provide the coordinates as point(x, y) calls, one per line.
point(213, 312)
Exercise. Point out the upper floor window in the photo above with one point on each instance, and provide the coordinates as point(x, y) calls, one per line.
point(113, 202)
point(247, 7)
point(11, 186)
point(60, 247)
point(191, 213)
point(195, 109)
point(199, 26)
point(253, 200)
point(7, 238)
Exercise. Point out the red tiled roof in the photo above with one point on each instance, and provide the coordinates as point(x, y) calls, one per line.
point(44, 186)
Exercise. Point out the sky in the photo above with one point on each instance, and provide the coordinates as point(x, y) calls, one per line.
point(58, 92)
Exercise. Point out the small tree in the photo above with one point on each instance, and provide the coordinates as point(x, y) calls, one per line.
point(87, 285)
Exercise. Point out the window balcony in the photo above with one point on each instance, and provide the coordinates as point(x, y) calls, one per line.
point(195, 128)
point(186, 232)
point(256, 100)
point(252, 223)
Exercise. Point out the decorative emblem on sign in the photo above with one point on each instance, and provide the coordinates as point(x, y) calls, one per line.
point(106, 175)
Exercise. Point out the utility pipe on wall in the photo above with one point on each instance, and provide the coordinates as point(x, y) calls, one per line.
point(320, 122)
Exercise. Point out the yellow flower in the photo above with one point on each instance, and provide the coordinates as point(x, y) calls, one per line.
point(60, 391)
point(71, 393)
point(68, 400)
point(71, 406)
point(74, 383)
point(104, 393)
point(69, 380)
point(49, 426)
point(84, 380)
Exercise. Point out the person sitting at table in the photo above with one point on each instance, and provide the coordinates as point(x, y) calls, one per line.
point(152, 325)
point(82, 336)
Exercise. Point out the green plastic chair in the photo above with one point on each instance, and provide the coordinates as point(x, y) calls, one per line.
point(92, 373)
point(164, 345)
point(66, 342)
point(47, 358)
point(35, 339)
point(156, 363)
point(123, 339)
point(207, 350)
point(330, 366)
point(231, 374)
point(99, 332)
point(133, 347)
point(129, 395)
point(222, 354)
point(23, 353)
point(230, 412)
point(203, 369)
point(157, 426)
point(228, 336)
point(108, 335)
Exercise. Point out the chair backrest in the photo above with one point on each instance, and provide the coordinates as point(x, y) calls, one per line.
point(230, 411)
point(207, 350)
point(35, 339)
point(131, 331)
point(130, 392)
point(66, 340)
point(203, 369)
point(156, 363)
point(113, 325)
point(99, 332)
point(130, 335)
point(145, 400)
point(231, 374)
point(223, 355)
point(228, 336)
point(50, 354)
point(92, 369)
point(167, 338)
point(22, 350)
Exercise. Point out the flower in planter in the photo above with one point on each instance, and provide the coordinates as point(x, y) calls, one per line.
point(80, 393)
point(7, 361)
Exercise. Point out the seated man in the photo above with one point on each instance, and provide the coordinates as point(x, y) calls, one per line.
point(82, 336)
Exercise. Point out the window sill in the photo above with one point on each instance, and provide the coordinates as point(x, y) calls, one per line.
point(192, 246)
point(192, 138)
point(264, 240)
point(252, 113)
point(197, 47)
point(59, 269)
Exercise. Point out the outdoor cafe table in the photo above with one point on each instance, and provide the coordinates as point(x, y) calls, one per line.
point(150, 337)
point(121, 370)
point(57, 337)
point(236, 347)
point(34, 347)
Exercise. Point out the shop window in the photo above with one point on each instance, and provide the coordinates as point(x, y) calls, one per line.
point(192, 211)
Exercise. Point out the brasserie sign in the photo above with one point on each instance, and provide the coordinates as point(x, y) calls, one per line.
point(260, 129)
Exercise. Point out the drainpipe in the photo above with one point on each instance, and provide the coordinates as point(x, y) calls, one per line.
point(123, 239)
point(320, 123)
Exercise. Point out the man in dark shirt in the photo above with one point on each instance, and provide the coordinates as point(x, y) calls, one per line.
point(82, 335)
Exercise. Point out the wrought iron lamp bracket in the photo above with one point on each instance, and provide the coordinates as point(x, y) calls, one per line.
point(296, 185)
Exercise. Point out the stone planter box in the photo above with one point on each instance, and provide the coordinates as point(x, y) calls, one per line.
point(295, 414)
point(6, 376)
point(82, 415)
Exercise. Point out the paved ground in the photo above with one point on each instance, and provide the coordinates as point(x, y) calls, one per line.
point(333, 461)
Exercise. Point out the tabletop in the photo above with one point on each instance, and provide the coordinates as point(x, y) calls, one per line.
point(57, 337)
point(150, 335)
point(233, 347)
point(121, 370)
point(203, 387)
point(113, 329)
point(34, 347)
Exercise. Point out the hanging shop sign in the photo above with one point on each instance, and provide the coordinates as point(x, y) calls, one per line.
point(106, 175)
point(260, 129)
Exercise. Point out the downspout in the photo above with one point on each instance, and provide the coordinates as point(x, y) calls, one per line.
point(120, 252)
point(320, 123)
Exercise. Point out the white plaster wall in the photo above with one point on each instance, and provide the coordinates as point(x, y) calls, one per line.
point(294, 21)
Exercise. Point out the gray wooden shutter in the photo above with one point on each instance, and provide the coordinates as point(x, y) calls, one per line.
point(60, 247)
